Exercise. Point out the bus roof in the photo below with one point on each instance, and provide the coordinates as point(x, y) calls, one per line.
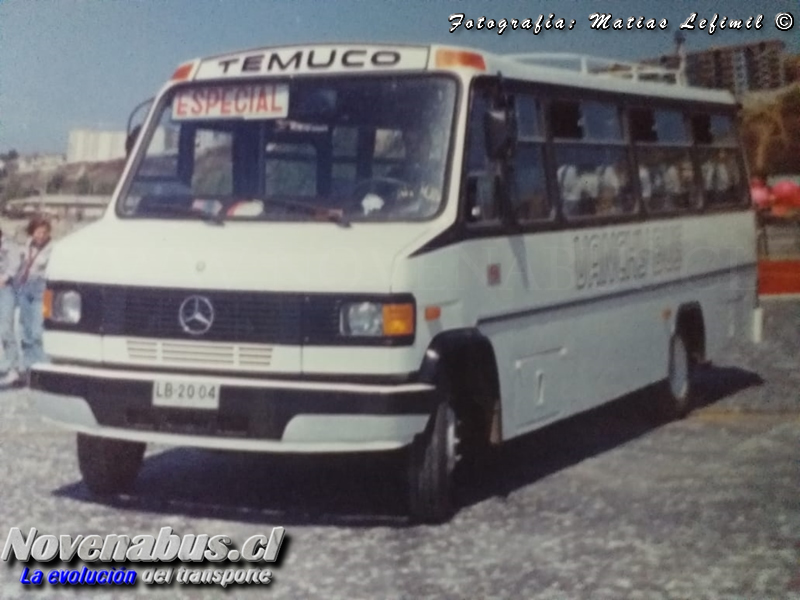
point(591, 73)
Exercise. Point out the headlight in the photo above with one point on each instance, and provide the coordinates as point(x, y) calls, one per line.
point(373, 319)
point(62, 306)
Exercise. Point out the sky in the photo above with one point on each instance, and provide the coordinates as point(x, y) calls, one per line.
point(73, 64)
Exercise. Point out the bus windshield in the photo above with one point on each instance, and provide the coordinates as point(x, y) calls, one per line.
point(357, 148)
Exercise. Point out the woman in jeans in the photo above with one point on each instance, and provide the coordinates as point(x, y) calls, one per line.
point(10, 259)
point(30, 284)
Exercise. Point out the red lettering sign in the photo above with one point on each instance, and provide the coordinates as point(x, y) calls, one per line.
point(264, 101)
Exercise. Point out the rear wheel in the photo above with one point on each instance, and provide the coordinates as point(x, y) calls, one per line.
point(109, 466)
point(432, 460)
point(676, 395)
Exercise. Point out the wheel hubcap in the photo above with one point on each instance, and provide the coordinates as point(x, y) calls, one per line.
point(452, 440)
point(679, 369)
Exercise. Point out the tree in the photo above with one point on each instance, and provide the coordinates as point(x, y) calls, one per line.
point(791, 66)
point(11, 189)
point(770, 128)
point(105, 188)
point(83, 185)
point(56, 183)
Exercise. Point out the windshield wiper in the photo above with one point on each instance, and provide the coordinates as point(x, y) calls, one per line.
point(337, 216)
point(188, 211)
point(319, 212)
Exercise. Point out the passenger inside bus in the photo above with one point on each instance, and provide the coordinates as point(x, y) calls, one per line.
point(570, 189)
point(610, 185)
point(645, 184)
point(664, 186)
point(595, 189)
point(717, 180)
point(668, 186)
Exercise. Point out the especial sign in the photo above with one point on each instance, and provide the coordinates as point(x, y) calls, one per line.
point(247, 101)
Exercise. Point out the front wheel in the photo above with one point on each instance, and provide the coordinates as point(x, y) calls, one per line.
point(108, 466)
point(432, 460)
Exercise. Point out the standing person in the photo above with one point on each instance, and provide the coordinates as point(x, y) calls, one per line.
point(10, 260)
point(30, 283)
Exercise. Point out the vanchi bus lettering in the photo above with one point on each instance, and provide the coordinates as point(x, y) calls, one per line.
point(608, 258)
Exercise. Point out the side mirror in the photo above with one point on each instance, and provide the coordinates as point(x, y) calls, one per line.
point(500, 131)
point(130, 141)
point(137, 114)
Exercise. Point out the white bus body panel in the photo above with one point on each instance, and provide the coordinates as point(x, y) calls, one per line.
point(562, 350)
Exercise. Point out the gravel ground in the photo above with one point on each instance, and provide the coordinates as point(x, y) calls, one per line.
point(773, 367)
point(605, 506)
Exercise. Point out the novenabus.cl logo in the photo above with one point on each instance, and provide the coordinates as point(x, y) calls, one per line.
point(196, 315)
point(167, 547)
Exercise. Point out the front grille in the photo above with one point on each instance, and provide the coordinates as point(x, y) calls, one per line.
point(243, 322)
point(238, 317)
point(199, 354)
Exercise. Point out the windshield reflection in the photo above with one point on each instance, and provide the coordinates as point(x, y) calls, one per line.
point(345, 149)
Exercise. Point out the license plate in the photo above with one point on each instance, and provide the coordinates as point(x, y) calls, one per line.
point(176, 393)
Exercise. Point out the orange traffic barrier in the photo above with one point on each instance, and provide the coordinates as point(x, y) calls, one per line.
point(779, 277)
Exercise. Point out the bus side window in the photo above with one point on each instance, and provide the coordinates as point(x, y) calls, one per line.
point(565, 120)
point(722, 176)
point(666, 175)
point(529, 186)
point(481, 201)
point(481, 205)
point(592, 165)
point(720, 160)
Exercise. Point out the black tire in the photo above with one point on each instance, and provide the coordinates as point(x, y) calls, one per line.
point(478, 457)
point(676, 393)
point(431, 465)
point(109, 466)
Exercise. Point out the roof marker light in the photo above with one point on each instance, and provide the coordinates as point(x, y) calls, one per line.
point(460, 58)
point(182, 73)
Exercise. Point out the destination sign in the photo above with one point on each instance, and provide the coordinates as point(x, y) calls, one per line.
point(314, 59)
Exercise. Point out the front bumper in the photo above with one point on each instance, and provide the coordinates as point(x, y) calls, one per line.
point(253, 415)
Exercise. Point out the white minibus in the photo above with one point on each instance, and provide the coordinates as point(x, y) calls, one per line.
point(364, 247)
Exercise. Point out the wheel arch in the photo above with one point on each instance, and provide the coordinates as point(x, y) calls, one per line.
point(690, 323)
point(467, 357)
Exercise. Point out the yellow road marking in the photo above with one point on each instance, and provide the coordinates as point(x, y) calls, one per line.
point(741, 416)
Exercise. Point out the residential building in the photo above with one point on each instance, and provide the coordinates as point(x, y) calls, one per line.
point(740, 68)
point(39, 162)
point(87, 145)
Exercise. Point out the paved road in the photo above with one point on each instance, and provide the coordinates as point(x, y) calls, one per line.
point(605, 506)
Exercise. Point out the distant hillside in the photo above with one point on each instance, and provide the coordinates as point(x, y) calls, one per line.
point(79, 178)
point(212, 175)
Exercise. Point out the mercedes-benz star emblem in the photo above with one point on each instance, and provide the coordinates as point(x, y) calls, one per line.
point(196, 315)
